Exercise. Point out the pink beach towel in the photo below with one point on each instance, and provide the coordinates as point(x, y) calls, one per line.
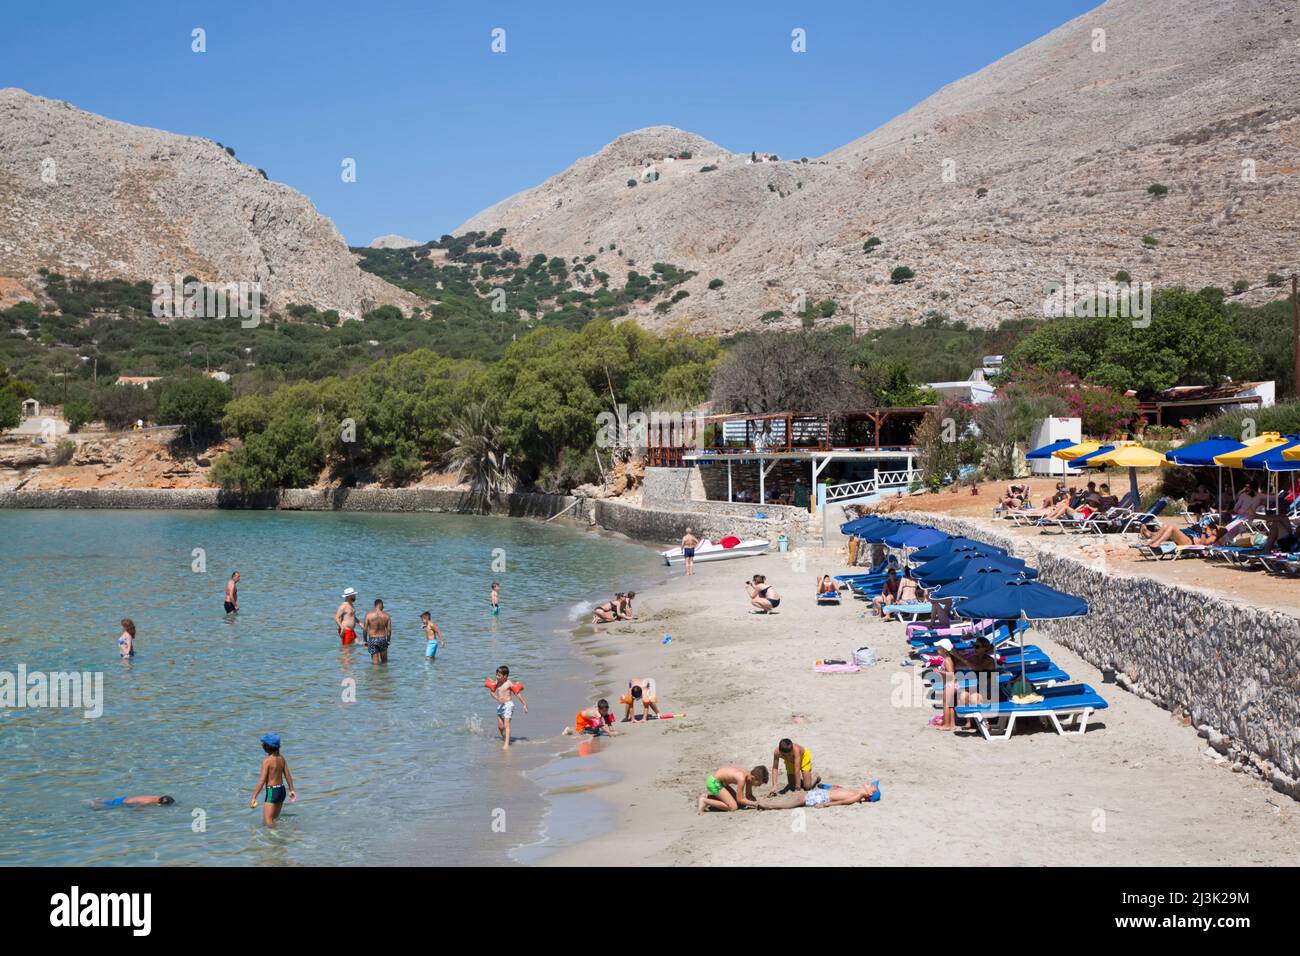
point(823, 668)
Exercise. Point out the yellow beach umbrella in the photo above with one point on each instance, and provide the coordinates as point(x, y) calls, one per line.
point(1256, 445)
point(1132, 457)
point(1076, 451)
point(1292, 454)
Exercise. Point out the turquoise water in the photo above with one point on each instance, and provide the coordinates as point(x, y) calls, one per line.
point(411, 772)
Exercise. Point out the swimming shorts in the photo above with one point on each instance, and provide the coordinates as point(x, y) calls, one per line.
point(506, 710)
point(376, 645)
point(275, 794)
point(229, 607)
point(431, 650)
point(714, 784)
point(115, 802)
point(817, 798)
point(688, 552)
point(805, 764)
point(348, 636)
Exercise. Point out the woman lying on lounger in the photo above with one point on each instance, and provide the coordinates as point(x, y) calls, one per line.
point(1210, 534)
point(820, 797)
point(1016, 497)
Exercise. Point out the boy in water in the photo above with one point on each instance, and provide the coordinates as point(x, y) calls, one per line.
point(496, 597)
point(275, 774)
point(503, 692)
point(731, 788)
point(432, 635)
point(164, 801)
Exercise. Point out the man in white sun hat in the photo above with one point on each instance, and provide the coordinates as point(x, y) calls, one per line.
point(345, 618)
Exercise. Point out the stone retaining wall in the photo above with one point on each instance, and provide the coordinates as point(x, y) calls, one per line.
point(1233, 670)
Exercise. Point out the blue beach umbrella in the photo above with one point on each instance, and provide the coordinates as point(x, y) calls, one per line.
point(866, 523)
point(1024, 601)
point(878, 534)
point(947, 550)
point(941, 549)
point(974, 583)
point(916, 537)
point(958, 565)
point(1046, 451)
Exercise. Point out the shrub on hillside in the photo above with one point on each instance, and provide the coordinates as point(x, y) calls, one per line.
point(901, 274)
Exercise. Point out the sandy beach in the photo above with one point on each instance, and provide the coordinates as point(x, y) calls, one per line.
point(1138, 789)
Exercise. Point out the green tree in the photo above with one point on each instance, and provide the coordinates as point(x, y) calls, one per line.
point(196, 403)
point(477, 451)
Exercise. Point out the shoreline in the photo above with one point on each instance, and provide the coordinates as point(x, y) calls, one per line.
point(1138, 788)
point(571, 781)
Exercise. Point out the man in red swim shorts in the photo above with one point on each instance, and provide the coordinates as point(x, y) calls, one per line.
point(345, 618)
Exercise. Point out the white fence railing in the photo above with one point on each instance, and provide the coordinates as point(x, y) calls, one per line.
point(880, 481)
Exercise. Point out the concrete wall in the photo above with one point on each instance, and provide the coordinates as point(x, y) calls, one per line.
point(1233, 670)
point(294, 499)
point(667, 525)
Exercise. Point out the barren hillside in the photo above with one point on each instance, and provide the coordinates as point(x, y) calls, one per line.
point(1036, 167)
point(88, 196)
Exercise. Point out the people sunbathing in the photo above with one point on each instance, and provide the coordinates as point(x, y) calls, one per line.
point(1208, 534)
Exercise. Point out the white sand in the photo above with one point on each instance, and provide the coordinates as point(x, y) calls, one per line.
point(1138, 789)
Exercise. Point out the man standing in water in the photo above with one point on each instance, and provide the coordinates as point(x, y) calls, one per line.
point(345, 618)
point(232, 594)
point(689, 541)
point(379, 633)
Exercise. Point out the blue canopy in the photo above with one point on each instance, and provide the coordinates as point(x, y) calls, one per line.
point(880, 532)
point(866, 523)
point(1083, 459)
point(958, 565)
point(1012, 599)
point(1202, 453)
point(941, 549)
point(1046, 450)
point(974, 583)
point(984, 550)
point(1272, 459)
point(914, 538)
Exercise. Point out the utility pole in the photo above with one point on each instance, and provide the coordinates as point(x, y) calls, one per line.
point(1295, 328)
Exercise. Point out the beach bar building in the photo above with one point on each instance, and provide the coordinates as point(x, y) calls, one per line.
point(794, 458)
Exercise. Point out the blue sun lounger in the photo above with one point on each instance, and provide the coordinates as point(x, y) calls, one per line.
point(916, 611)
point(1046, 674)
point(1064, 704)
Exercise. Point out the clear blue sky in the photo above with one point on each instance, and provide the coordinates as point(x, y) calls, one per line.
point(441, 127)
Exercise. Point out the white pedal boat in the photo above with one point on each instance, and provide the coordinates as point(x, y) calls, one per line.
point(728, 547)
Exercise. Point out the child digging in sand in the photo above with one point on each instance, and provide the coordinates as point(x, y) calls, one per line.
point(731, 788)
point(798, 766)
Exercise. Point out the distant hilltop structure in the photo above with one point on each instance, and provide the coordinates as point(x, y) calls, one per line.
point(393, 242)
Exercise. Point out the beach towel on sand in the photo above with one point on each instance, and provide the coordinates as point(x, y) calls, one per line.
point(824, 667)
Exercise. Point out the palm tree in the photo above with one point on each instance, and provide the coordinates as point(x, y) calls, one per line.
point(478, 450)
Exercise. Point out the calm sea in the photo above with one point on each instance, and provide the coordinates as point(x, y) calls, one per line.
point(411, 772)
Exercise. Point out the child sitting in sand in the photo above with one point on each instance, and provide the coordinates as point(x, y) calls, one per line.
point(592, 720)
point(731, 788)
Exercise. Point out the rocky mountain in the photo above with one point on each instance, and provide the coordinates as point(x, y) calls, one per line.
point(1158, 137)
point(87, 196)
